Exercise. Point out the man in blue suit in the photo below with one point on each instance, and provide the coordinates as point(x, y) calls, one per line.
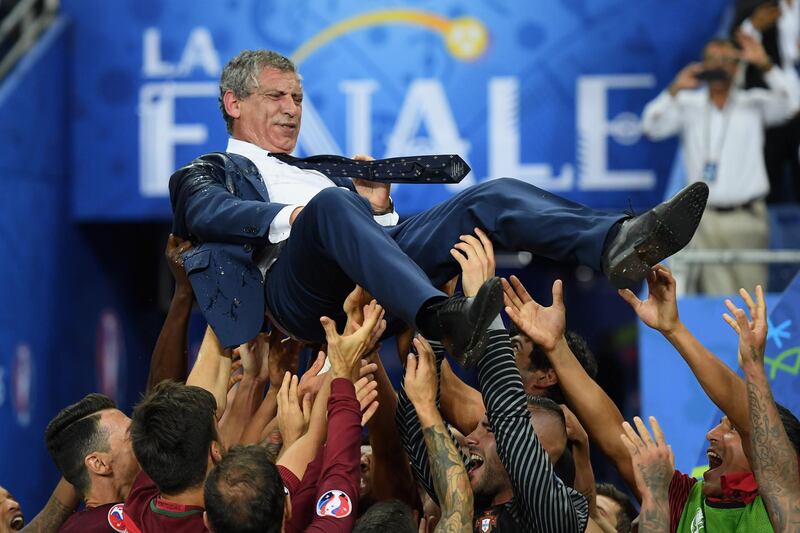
point(272, 238)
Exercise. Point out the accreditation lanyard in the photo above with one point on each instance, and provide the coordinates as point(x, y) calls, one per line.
point(711, 168)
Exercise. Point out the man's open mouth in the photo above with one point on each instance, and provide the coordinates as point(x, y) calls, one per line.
point(474, 463)
point(714, 460)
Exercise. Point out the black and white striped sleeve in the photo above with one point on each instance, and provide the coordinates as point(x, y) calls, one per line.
point(411, 430)
point(541, 500)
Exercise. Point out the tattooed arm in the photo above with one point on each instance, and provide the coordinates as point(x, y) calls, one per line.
point(653, 468)
point(774, 459)
point(59, 507)
point(450, 478)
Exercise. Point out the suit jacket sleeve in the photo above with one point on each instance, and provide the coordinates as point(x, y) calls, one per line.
point(210, 207)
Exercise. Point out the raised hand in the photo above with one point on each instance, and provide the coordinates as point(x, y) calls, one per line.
point(753, 51)
point(660, 309)
point(367, 391)
point(293, 418)
point(752, 333)
point(345, 351)
point(283, 356)
point(575, 431)
point(354, 307)
point(686, 78)
point(476, 257)
point(176, 247)
point(420, 379)
point(543, 325)
point(377, 193)
point(653, 461)
point(311, 381)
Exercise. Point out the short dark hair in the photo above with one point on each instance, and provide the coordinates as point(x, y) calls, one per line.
point(627, 512)
point(388, 516)
point(577, 345)
point(244, 493)
point(73, 434)
point(546, 404)
point(791, 425)
point(171, 432)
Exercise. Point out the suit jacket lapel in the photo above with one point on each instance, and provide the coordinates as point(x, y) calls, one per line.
point(250, 172)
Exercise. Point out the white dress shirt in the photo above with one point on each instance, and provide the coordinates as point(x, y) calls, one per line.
point(732, 137)
point(287, 184)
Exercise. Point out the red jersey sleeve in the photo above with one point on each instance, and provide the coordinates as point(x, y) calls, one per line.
point(303, 497)
point(679, 488)
point(337, 490)
point(288, 478)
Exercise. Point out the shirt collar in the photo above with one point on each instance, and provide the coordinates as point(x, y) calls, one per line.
point(249, 150)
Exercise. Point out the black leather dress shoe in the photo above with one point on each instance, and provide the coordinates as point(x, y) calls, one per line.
point(464, 321)
point(648, 239)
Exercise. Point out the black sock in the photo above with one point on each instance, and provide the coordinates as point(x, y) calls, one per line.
point(427, 324)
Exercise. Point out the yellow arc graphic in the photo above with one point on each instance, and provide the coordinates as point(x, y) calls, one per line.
point(465, 37)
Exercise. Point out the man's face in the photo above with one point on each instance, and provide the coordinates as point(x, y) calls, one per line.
point(270, 116)
point(608, 509)
point(365, 485)
point(487, 475)
point(550, 431)
point(11, 518)
point(721, 56)
point(725, 456)
point(123, 461)
point(535, 382)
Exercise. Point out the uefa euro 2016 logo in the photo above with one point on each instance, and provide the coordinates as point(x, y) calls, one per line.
point(334, 503)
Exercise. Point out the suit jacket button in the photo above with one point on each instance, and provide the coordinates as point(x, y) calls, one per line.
point(248, 248)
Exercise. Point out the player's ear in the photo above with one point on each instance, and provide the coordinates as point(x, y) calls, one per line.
point(99, 463)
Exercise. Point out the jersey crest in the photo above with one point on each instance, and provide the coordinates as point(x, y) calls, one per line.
point(334, 503)
point(116, 518)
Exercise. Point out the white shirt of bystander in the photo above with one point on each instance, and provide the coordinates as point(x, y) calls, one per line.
point(731, 138)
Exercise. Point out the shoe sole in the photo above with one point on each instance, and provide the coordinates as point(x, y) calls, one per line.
point(673, 230)
point(492, 304)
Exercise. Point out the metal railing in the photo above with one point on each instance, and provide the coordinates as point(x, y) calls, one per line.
point(20, 26)
point(682, 262)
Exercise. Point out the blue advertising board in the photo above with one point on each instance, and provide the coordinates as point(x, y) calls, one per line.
point(550, 91)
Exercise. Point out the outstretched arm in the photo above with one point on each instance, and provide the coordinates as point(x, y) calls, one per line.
point(774, 459)
point(653, 465)
point(596, 411)
point(449, 475)
point(59, 507)
point(212, 370)
point(170, 355)
point(720, 383)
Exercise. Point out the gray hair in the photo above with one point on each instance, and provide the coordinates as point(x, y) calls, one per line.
point(240, 75)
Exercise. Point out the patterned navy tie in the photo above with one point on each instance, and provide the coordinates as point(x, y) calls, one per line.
point(415, 169)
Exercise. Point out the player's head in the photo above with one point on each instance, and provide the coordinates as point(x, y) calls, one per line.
point(244, 493)
point(261, 98)
point(387, 516)
point(174, 434)
point(11, 518)
point(90, 445)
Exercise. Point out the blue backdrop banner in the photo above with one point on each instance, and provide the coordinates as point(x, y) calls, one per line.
point(550, 92)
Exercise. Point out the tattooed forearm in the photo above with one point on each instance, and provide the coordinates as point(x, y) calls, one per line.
point(50, 518)
point(774, 457)
point(450, 480)
point(654, 516)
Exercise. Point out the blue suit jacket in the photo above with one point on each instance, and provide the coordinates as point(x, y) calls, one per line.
point(221, 204)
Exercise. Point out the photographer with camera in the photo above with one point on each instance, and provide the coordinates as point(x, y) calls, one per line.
point(722, 134)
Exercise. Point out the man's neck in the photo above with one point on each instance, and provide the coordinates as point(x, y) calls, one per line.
point(719, 95)
point(504, 496)
point(193, 496)
point(103, 492)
